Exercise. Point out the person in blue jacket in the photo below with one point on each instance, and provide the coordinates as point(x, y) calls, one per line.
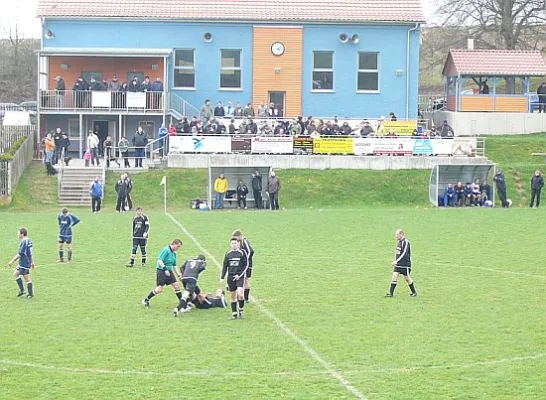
point(96, 192)
point(66, 222)
point(449, 196)
point(468, 194)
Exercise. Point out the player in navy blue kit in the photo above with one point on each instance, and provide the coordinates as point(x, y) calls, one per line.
point(24, 256)
point(66, 222)
point(141, 232)
point(235, 266)
point(402, 264)
point(189, 276)
point(249, 251)
point(207, 301)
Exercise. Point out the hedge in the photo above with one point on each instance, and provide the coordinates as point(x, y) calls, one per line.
point(8, 156)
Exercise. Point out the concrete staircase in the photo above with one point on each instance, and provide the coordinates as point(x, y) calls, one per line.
point(74, 184)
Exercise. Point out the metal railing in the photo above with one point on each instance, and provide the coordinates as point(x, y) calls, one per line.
point(180, 108)
point(153, 149)
point(102, 100)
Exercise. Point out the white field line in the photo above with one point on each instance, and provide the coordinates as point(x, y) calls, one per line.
point(282, 326)
point(207, 373)
point(496, 270)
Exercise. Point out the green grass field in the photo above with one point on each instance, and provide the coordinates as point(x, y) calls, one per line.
point(476, 330)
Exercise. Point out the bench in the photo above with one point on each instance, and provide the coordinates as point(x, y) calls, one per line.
point(232, 202)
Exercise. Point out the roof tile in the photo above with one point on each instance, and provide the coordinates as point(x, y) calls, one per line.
point(498, 62)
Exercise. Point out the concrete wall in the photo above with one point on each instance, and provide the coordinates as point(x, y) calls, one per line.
point(316, 162)
point(484, 123)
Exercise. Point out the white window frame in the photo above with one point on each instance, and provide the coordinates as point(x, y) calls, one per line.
point(358, 71)
point(192, 68)
point(323, 70)
point(239, 68)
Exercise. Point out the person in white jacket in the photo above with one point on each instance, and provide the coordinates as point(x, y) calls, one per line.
point(93, 145)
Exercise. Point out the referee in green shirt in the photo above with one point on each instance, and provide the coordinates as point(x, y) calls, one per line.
point(166, 268)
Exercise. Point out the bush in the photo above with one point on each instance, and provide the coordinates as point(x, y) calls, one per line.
point(8, 156)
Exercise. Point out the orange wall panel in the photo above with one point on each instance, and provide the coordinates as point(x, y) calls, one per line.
point(109, 66)
point(511, 104)
point(289, 80)
point(451, 103)
point(476, 103)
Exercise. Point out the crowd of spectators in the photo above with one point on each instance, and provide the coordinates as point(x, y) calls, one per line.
point(471, 194)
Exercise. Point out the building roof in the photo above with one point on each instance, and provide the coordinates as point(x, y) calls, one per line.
point(103, 52)
point(288, 11)
point(495, 63)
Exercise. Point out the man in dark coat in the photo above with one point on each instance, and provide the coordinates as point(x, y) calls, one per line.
point(501, 188)
point(257, 189)
point(537, 182)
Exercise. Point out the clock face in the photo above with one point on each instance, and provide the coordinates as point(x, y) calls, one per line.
point(277, 48)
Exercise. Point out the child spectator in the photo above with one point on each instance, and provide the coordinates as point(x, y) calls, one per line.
point(87, 157)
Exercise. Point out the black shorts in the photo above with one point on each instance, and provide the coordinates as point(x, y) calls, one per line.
point(191, 286)
point(233, 285)
point(139, 242)
point(162, 279)
point(23, 271)
point(406, 271)
point(65, 239)
point(249, 272)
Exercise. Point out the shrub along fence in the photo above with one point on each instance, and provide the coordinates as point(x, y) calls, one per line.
point(15, 158)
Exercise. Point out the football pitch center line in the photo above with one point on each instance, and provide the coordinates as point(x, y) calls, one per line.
point(281, 325)
point(497, 271)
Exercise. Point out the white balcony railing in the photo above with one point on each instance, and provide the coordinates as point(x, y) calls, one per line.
point(103, 101)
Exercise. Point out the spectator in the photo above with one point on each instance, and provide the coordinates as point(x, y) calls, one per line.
point(79, 88)
point(172, 130)
point(206, 112)
point(95, 85)
point(229, 111)
point(87, 157)
point(468, 194)
point(162, 135)
point(449, 196)
point(541, 93)
point(485, 88)
point(57, 137)
point(251, 127)
point(124, 151)
point(345, 129)
point(459, 192)
point(95, 190)
point(273, 188)
point(476, 193)
point(446, 130)
point(249, 111)
point(501, 188)
point(146, 86)
point(273, 111)
point(93, 146)
point(537, 182)
point(157, 88)
point(49, 148)
point(109, 152)
point(366, 130)
point(392, 116)
point(65, 144)
point(262, 111)
point(434, 133)
point(134, 86)
point(123, 95)
point(257, 188)
point(238, 112)
point(194, 131)
point(485, 190)
point(219, 110)
point(295, 128)
point(121, 190)
point(114, 85)
point(311, 129)
point(60, 89)
point(220, 187)
point(129, 183)
point(391, 134)
point(231, 127)
point(140, 140)
point(242, 191)
point(278, 128)
point(308, 121)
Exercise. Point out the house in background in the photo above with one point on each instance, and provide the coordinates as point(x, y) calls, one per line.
point(351, 58)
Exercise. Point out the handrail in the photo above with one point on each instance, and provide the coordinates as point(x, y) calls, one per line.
point(181, 106)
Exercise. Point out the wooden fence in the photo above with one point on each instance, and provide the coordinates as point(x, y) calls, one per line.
point(11, 134)
point(11, 171)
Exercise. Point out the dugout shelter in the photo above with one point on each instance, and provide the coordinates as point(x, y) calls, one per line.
point(442, 175)
point(234, 174)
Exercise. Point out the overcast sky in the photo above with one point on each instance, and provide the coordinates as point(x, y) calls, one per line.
point(24, 11)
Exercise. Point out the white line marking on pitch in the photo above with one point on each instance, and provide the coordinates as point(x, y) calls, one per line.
point(282, 326)
point(498, 271)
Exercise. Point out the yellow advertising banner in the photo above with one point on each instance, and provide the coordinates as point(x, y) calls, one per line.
point(400, 127)
point(333, 146)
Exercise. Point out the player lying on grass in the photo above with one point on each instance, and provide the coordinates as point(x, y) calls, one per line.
point(24, 256)
point(189, 276)
point(207, 301)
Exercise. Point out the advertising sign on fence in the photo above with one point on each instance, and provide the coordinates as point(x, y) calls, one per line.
point(272, 145)
point(101, 99)
point(303, 145)
point(333, 145)
point(200, 144)
point(400, 127)
point(393, 146)
point(363, 146)
point(136, 100)
point(240, 145)
point(456, 146)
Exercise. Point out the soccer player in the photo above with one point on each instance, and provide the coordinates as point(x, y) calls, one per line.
point(141, 231)
point(190, 274)
point(166, 268)
point(205, 302)
point(247, 248)
point(24, 256)
point(66, 222)
point(402, 264)
point(235, 265)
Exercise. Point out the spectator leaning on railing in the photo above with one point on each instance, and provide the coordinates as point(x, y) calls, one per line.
point(140, 140)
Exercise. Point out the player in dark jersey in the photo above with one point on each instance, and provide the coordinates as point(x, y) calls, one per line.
point(24, 256)
point(141, 232)
point(207, 301)
point(165, 271)
point(402, 264)
point(66, 222)
point(235, 266)
point(189, 277)
point(247, 248)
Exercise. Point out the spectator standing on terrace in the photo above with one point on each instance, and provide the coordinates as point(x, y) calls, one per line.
point(114, 85)
point(251, 127)
point(501, 188)
point(273, 111)
point(537, 182)
point(121, 190)
point(57, 137)
point(392, 116)
point(273, 188)
point(295, 128)
point(449, 196)
point(302, 124)
point(257, 188)
point(79, 88)
point(140, 140)
point(345, 129)
point(162, 134)
point(93, 146)
point(446, 130)
point(220, 187)
point(124, 151)
point(206, 112)
point(60, 88)
point(242, 191)
point(109, 152)
point(146, 85)
point(229, 110)
point(64, 144)
point(219, 110)
point(541, 93)
point(249, 111)
point(485, 88)
point(95, 190)
point(134, 86)
point(157, 88)
point(49, 148)
point(231, 127)
point(262, 111)
point(238, 112)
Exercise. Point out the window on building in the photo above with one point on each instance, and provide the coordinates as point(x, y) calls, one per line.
point(323, 70)
point(88, 75)
point(73, 129)
point(368, 72)
point(230, 69)
point(148, 127)
point(184, 68)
